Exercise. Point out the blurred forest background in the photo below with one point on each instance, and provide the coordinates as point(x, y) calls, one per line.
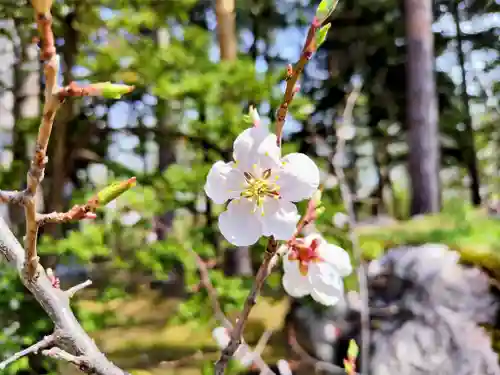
point(193, 88)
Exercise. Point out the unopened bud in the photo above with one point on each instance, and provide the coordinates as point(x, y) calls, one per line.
point(321, 35)
point(113, 191)
point(112, 90)
point(254, 115)
point(353, 350)
point(325, 9)
point(41, 6)
point(320, 211)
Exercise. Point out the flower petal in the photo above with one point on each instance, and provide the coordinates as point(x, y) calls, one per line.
point(323, 298)
point(223, 182)
point(325, 280)
point(337, 257)
point(245, 146)
point(279, 218)
point(239, 224)
point(293, 282)
point(299, 177)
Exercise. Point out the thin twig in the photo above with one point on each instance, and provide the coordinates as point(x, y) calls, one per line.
point(33, 349)
point(57, 353)
point(219, 313)
point(347, 198)
point(73, 290)
point(264, 271)
point(293, 74)
point(212, 293)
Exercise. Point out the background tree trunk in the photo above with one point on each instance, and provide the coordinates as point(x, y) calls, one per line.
point(236, 261)
point(422, 113)
point(468, 134)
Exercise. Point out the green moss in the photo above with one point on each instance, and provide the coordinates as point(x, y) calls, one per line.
point(470, 232)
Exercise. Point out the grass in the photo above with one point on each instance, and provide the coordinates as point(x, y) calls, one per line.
point(142, 341)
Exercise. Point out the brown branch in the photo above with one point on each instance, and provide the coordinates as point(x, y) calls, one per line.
point(33, 349)
point(292, 77)
point(348, 201)
point(236, 334)
point(37, 168)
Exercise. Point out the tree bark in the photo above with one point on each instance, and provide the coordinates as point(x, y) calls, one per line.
point(422, 113)
point(226, 29)
point(468, 134)
point(236, 261)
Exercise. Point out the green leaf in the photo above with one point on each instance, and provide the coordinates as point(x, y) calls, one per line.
point(321, 34)
point(325, 9)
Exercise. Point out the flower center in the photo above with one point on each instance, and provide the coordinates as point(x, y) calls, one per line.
point(304, 254)
point(259, 188)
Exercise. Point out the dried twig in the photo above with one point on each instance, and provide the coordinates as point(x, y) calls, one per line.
point(347, 198)
point(264, 271)
point(33, 349)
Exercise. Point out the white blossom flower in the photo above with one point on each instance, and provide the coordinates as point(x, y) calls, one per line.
point(261, 187)
point(313, 266)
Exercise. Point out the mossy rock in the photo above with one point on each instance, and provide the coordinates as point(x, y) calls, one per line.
point(474, 234)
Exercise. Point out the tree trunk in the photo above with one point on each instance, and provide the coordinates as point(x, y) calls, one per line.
point(422, 113)
point(236, 261)
point(468, 135)
point(226, 29)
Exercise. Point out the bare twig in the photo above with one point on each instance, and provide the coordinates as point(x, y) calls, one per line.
point(293, 74)
point(347, 198)
point(57, 353)
point(219, 314)
point(73, 290)
point(212, 293)
point(33, 349)
point(12, 197)
point(264, 271)
point(262, 343)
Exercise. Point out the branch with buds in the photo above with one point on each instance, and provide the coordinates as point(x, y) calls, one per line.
point(315, 37)
point(69, 342)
